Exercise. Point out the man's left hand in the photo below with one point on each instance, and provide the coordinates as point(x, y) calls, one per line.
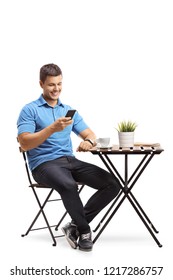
point(84, 146)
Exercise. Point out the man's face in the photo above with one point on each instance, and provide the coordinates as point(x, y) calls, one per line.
point(51, 89)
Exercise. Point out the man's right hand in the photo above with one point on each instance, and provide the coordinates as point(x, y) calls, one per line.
point(61, 123)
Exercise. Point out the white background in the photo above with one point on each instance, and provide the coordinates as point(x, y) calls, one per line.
point(116, 58)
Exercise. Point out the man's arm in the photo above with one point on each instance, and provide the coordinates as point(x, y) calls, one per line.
point(86, 145)
point(30, 141)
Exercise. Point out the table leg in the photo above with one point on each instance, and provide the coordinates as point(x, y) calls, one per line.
point(108, 211)
point(136, 174)
point(128, 195)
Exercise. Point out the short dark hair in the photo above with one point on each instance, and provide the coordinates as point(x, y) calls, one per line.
point(49, 70)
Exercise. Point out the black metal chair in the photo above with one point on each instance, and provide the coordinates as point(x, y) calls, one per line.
point(35, 186)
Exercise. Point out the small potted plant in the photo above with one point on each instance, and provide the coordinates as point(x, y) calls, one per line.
point(126, 133)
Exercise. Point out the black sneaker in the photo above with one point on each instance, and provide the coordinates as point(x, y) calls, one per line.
point(71, 234)
point(85, 242)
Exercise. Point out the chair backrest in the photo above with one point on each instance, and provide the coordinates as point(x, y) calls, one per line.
point(26, 165)
point(32, 183)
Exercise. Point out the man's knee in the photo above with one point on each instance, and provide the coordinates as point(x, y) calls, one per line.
point(114, 184)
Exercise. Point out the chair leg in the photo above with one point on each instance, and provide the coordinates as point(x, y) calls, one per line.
point(60, 221)
point(44, 216)
point(38, 214)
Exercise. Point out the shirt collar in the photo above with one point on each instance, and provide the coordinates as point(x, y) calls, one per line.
point(41, 101)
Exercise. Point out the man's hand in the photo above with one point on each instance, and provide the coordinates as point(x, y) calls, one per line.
point(61, 123)
point(84, 146)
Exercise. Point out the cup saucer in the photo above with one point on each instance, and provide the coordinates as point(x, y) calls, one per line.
point(104, 147)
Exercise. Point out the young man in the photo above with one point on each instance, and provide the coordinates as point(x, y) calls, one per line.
point(44, 132)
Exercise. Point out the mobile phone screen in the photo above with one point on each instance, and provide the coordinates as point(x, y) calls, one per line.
point(70, 113)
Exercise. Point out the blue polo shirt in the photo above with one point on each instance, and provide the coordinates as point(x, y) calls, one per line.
point(39, 114)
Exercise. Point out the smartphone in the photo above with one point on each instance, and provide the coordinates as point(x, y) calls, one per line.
point(70, 113)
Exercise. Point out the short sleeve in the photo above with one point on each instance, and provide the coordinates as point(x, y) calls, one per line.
point(26, 121)
point(79, 124)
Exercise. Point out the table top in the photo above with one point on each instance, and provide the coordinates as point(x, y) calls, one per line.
point(136, 149)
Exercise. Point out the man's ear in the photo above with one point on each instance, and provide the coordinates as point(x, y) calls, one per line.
point(41, 84)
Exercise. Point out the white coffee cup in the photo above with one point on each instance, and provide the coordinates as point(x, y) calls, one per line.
point(103, 142)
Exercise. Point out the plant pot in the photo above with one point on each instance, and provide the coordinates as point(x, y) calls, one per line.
point(126, 139)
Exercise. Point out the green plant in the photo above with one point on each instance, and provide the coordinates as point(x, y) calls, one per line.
point(126, 126)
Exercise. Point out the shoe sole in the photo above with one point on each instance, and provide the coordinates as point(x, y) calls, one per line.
point(85, 250)
point(72, 244)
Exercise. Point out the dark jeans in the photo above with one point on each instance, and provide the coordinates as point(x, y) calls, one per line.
point(62, 174)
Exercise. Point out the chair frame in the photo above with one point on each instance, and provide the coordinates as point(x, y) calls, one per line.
point(35, 186)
